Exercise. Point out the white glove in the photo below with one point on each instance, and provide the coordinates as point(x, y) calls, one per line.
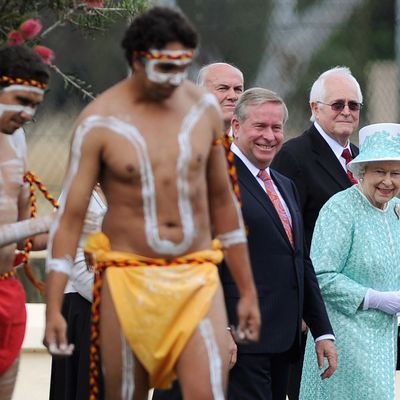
point(388, 302)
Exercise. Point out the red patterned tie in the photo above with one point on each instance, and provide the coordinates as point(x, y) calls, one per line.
point(348, 157)
point(269, 187)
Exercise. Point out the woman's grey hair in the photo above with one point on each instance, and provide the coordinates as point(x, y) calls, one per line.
point(358, 170)
point(256, 96)
point(317, 92)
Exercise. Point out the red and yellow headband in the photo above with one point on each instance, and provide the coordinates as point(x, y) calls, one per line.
point(167, 55)
point(20, 81)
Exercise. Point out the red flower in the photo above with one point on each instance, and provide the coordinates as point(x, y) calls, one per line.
point(30, 28)
point(94, 4)
point(15, 38)
point(46, 53)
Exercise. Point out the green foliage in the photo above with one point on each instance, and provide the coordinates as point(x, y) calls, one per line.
point(55, 15)
point(61, 12)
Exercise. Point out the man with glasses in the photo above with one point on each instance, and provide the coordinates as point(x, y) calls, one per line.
point(317, 160)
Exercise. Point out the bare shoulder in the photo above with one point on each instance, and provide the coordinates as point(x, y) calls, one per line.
point(102, 107)
point(196, 93)
point(199, 93)
point(107, 103)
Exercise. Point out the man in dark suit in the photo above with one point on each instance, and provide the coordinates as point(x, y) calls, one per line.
point(284, 276)
point(315, 161)
point(226, 82)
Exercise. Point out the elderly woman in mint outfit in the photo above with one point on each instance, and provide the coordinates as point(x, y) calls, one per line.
point(356, 255)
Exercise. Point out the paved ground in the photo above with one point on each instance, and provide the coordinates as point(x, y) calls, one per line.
point(34, 377)
point(34, 372)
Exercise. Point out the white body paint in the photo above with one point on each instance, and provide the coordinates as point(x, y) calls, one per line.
point(17, 231)
point(128, 370)
point(12, 191)
point(131, 133)
point(214, 358)
point(231, 238)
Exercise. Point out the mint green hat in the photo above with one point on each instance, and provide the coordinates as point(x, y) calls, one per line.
point(378, 142)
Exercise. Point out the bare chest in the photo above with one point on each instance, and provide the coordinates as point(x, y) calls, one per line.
point(12, 168)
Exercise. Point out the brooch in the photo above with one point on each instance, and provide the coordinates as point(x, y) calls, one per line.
point(397, 210)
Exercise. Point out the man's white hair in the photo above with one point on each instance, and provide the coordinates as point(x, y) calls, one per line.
point(318, 90)
point(202, 75)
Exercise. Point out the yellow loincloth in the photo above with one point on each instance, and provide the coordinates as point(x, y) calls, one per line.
point(158, 307)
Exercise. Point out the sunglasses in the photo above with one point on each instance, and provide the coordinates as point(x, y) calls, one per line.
point(339, 106)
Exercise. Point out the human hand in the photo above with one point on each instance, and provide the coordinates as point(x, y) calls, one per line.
point(89, 260)
point(304, 327)
point(55, 338)
point(232, 348)
point(249, 319)
point(326, 349)
point(388, 302)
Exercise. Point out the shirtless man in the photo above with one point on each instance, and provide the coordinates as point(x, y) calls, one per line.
point(23, 79)
point(152, 143)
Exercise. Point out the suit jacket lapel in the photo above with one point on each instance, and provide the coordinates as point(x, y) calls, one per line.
point(248, 181)
point(327, 159)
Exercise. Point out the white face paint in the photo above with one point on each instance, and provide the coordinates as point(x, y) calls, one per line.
point(174, 79)
point(23, 88)
point(17, 109)
point(158, 62)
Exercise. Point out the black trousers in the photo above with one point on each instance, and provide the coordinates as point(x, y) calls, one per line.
point(254, 377)
point(259, 377)
point(296, 369)
point(70, 376)
point(171, 394)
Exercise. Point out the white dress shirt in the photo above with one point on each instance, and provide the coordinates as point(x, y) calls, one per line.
point(336, 147)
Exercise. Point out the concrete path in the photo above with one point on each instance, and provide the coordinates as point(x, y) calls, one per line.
point(34, 372)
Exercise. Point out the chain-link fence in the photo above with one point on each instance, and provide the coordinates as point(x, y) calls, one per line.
point(279, 44)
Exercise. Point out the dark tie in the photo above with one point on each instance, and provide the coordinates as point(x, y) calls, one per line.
point(348, 157)
point(269, 187)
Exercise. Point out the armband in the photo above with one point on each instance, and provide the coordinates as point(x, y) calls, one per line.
point(63, 265)
point(234, 237)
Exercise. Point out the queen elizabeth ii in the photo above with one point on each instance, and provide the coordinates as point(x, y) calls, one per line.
point(356, 255)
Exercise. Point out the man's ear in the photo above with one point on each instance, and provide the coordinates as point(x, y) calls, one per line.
point(137, 64)
point(235, 126)
point(314, 108)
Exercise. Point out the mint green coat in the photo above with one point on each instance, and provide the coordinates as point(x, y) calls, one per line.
point(355, 246)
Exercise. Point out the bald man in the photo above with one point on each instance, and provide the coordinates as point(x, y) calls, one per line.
point(226, 82)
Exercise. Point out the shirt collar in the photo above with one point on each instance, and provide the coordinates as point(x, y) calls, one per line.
point(333, 144)
point(251, 167)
